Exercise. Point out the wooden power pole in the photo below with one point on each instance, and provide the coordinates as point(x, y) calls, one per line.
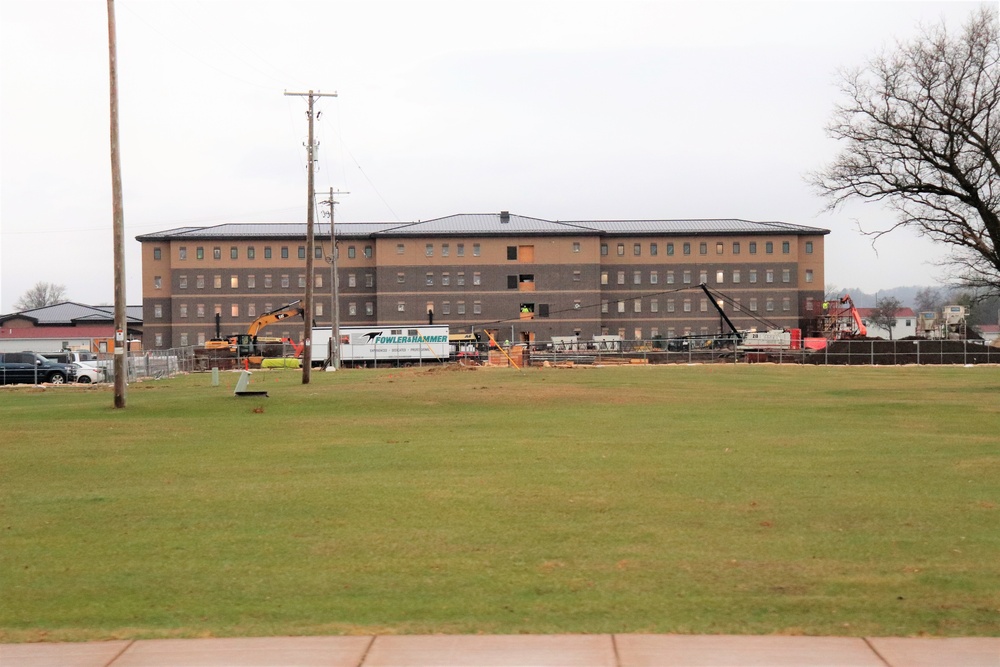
point(121, 320)
point(334, 352)
point(307, 301)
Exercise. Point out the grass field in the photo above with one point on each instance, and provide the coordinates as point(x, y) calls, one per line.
point(713, 499)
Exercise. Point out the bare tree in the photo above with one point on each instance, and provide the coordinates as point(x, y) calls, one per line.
point(929, 300)
point(884, 314)
point(41, 295)
point(921, 132)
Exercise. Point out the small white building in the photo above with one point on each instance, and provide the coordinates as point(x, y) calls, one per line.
point(906, 324)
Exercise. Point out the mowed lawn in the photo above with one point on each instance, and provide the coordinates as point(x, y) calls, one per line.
point(706, 499)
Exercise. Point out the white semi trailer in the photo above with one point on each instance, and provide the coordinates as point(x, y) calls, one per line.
point(390, 344)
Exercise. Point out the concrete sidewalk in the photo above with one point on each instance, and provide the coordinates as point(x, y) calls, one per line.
point(514, 651)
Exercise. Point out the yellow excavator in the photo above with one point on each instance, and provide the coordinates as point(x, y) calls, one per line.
point(246, 344)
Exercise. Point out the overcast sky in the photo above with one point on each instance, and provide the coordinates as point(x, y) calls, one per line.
point(562, 110)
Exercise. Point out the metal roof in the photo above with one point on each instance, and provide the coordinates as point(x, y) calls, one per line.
point(68, 312)
point(485, 224)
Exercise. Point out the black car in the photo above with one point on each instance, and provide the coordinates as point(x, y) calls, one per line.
point(31, 368)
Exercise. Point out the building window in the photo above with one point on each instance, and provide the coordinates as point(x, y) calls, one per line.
point(446, 279)
point(302, 252)
point(199, 253)
point(769, 276)
point(352, 309)
point(654, 277)
point(670, 305)
point(429, 250)
point(267, 252)
point(369, 280)
point(319, 309)
point(670, 248)
point(369, 308)
point(318, 280)
point(621, 249)
point(576, 246)
point(621, 277)
point(604, 306)
point(770, 304)
point(736, 275)
point(368, 252)
point(653, 249)
point(284, 280)
point(736, 247)
point(753, 247)
point(654, 306)
point(157, 282)
point(512, 253)
point(217, 282)
point(687, 248)
point(184, 340)
point(718, 247)
point(234, 310)
point(217, 309)
point(703, 277)
point(786, 303)
point(302, 280)
point(621, 306)
point(637, 277)
point(400, 306)
point(352, 280)
point(753, 276)
point(400, 248)
point(182, 310)
point(267, 281)
point(182, 253)
point(234, 282)
point(234, 252)
point(809, 275)
point(251, 253)
point(400, 278)
point(703, 305)
point(158, 311)
point(251, 310)
point(284, 252)
point(429, 280)
point(460, 278)
point(199, 310)
point(786, 275)
point(670, 277)
point(351, 252)
point(809, 247)
point(460, 308)
point(687, 305)
point(687, 277)
point(637, 305)
point(157, 253)
point(753, 305)
point(446, 307)
point(809, 304)
point(477, 307)
point(786, 247)
point(445, 250)
point(182, 282)
point(317, 252)
point(702, 248)
point(769, 247)
point(199, 282)
point(477, 278)
point(577, 276)
point(604, 250)
point(216, 252)
point(604, 277)
point(636, 249)
point(475, 250)
point(460, 249)
point(720, 276)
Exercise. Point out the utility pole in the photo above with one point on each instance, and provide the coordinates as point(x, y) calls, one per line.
point(310, 238)
point(334, 352)
point(118, 216)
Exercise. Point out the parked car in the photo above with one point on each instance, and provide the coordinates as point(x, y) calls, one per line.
point(86, 374)
point(71, 356)
point(32, 368)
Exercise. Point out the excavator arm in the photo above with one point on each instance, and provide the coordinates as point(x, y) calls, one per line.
point(855, 315)
point(290, 310)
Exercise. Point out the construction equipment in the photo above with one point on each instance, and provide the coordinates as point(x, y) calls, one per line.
point(842, 321)
point(247, 344)
point(217, 343)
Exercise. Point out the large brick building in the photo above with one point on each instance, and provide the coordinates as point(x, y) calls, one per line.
point(523, 277)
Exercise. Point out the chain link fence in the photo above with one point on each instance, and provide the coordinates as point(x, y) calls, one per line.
point(152, 364)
